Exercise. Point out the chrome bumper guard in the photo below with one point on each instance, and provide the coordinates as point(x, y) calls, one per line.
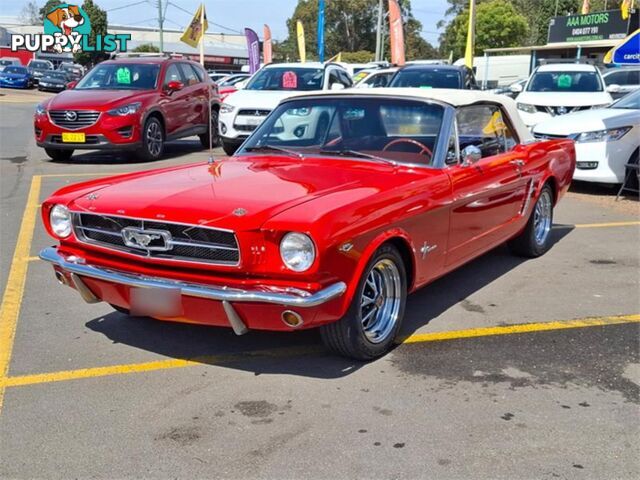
point(78, 267)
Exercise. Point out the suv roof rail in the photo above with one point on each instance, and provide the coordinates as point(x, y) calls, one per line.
point(140, 54)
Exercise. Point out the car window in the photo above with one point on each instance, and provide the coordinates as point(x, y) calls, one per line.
point(484, 126)
point(344, 78)
point(198, 73)
point(172, 74)
point(565, 81)
point(287, 78)
point(618, 78)
point(427, 78)
point(189, 75)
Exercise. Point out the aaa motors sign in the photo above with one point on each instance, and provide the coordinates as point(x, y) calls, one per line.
point(607, 25)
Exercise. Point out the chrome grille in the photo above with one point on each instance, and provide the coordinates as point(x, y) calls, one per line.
point(74, 119)
point(187, 242)
point(254, 112)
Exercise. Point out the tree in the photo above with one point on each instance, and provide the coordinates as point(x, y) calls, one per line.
point(98, 20)
point(146, 48)
point(350, 26)
point(30, 14)
point(498, 24)
point(361, 56)
point(47, 7)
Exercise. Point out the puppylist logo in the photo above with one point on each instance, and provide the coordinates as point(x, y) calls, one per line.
point(66, 29)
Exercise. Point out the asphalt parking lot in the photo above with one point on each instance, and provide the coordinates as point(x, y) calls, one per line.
point(508, 368)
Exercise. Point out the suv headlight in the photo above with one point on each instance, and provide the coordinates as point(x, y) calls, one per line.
point(525, 107)
point(60, 220)
point(226, 108)
point(610, 135)
point(297, 251)
point(125, 110)
point(40, 110)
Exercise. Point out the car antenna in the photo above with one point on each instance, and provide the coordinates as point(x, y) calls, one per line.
point(211, 159)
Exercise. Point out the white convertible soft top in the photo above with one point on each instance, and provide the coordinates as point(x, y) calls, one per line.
point(455, 98)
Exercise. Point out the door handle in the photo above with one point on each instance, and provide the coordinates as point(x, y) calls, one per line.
point(517, 163)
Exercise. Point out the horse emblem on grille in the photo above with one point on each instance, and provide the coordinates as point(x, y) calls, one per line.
point(151, 240)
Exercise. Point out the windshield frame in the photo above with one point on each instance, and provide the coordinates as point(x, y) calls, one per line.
point(440, 146)
point(559, 72)
point(257, 75)
point(88, 76)
point(24, 70)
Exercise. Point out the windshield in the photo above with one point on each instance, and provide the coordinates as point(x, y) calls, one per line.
point(128, 76)
point(6, 62)
point(43, 65)
point(20, 70)
point(230, 81)
point(631, 101)
point(282, 78)
point(57, 75)
point(431, 78)
point(386, 129)
point(565, 82)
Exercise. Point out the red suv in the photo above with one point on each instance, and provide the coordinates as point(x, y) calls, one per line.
point(129, 104)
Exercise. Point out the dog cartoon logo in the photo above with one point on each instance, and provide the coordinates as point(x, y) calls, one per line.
point(70, 21)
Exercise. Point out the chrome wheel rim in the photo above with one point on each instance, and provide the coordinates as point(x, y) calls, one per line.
point(542, 218)
point(380, 301)
point(154, 139)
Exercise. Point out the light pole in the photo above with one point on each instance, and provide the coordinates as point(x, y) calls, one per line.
point(379, 33)
point(160, 22)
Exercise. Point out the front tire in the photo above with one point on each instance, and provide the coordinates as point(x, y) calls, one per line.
point(58, 155)
point(375, 315)
point(535, 239)
point(152, 140)
point(213, 128)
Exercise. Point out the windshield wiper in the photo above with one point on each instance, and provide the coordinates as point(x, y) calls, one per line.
point(357, 154)
point(271, 148)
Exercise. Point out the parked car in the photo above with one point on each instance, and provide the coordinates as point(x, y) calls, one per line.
point(37, 68)
point(74, 72)
point(561, 88)
point(375, 78)
point(336, 207)
point(129, 104)
point(434, 76)
point(606, 139)
point(53, 81)
point(244, 110)
point(6, 61)
point(232, 80)
point(620, 81)
point(15, 77)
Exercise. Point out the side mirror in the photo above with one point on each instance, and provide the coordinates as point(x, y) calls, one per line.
point(241, 85)
point(337, 86)
point(71, 85)
point(470, 155)
point(613, 88)
point(515, 88)
point(174, 86)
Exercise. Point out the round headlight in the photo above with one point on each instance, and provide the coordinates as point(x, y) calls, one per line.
point(60, 219)
point(297, 251)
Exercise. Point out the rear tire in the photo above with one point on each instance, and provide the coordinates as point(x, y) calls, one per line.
point(58, 155)
point(152, 140)
point(375, 315)
point(535, 239)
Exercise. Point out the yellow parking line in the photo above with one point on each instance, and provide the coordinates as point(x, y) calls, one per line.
point(605, 225)
point(12, 298)
point(39, 378)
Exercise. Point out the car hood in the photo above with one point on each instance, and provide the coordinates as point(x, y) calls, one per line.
point(589, 121)
point(238, 193)
point(566, 99)
point(263, 99)
point(92, 99)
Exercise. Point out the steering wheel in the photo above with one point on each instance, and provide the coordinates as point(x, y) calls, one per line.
point(424, 150)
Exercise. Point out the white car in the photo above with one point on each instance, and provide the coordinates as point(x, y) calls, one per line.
point(374, 78)
point(621, 81)
point(606, 139)
point(244, 110)
point(561, 88)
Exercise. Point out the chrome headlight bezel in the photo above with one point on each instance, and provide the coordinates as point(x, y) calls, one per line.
point(526, 107)
point(608, 135)
point(125, 110)
point(60, 221)
point(227, 108)
point(297, 251)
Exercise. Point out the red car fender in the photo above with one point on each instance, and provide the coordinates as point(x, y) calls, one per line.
point(367, 254)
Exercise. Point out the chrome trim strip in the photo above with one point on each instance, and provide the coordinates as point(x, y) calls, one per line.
point(78, 266)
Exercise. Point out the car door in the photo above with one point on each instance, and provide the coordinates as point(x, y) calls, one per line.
point(174, 104)
point(197, 96)
point(487, 192)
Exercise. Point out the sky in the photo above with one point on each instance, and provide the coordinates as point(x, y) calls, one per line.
point(232, 14)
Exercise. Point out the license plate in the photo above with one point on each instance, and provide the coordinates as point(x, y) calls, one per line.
point(252, 121)
point(68, 137)
point(155, 302)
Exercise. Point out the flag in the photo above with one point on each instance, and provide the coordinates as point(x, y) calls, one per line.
point(267, 47)
point(195, 31)
point(336, 58)
point(625, 8)
point(253, 46)
point(585, 7)
point(396, 34)
point(471, 35)
point(301, 46)
point(321, 30)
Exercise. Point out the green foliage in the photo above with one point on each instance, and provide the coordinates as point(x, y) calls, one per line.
point(98, 19)
point(146, 48)
point(47, 7)
point(361, 56)
point(498, 24)
point(350, 26)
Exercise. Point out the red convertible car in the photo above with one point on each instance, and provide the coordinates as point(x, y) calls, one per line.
point(334, 209)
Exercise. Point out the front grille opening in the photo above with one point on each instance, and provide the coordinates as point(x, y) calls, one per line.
point(188, 242)
point(73, 119)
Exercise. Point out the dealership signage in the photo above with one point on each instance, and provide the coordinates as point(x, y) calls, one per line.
point(607, 25)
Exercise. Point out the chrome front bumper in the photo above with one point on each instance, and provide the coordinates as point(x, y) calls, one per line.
point(78, 267)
